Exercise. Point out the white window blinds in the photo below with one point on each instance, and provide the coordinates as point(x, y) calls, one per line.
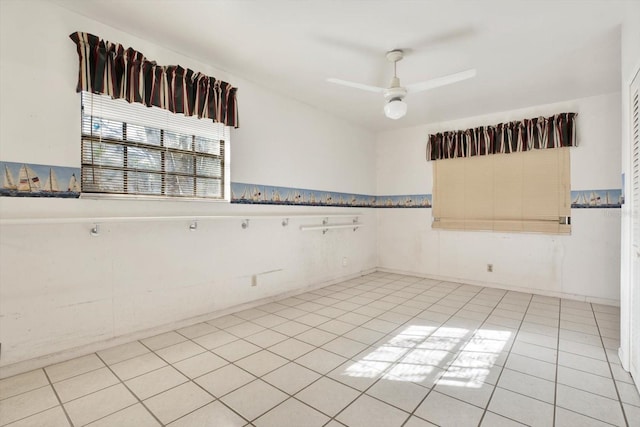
point(134, 149)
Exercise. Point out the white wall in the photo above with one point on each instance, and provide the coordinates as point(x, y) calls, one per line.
point(61, 288)
point(630, 64)
point(583, 265)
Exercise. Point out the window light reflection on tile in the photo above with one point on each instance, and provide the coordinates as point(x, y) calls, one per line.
point(450, 332)
point(463, 377)
point(423, 350)
point(412, 372)
point(428, 357)
point(474, 359)
point(440, 343)
point(485, 346)
point(365, 369)
point(406, 341)
point(419, 330)
point(473, 365)
point(386, 354)
point(493, 334)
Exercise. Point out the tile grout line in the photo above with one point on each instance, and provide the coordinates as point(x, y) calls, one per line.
point(508, 353)
point(615, 384)
point(412, 414)
point(431, 388)
point(524, 314)
point(319, 347)
point(66, 414)
point(589, 416)
point(189, 379)
point(130, 391)
point(355, 327)
point(215, 399)
point(455, 355)
point(230, 362)
point(293, 361)
point(555, 378)
point(33, 413)
point(347, 359)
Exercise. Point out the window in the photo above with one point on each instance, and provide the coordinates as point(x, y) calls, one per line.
point(132, 149)
point(523, 191)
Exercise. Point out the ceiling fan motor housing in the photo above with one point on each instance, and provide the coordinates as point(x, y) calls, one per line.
point(394, 93)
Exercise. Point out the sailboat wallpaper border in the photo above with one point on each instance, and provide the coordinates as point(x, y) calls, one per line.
point(257, 194)
point(35, 180)
point(404, 201)
point(590, 199)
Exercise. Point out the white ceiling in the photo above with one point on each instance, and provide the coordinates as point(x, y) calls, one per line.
point(526, 52)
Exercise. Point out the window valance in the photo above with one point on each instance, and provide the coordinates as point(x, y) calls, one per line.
point(108, 68)
point(524, 135)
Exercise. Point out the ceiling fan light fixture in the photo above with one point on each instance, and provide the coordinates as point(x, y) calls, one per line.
point(395, 109)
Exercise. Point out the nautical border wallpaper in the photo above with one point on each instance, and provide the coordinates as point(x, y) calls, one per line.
point(603, 199)
point(257, 194)
point(404, 201)
point(273, 195)
point(34, 180)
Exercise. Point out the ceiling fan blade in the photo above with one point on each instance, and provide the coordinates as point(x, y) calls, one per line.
point(350, 45)
point(441, 81)
point(446, 37)
point(356, 85)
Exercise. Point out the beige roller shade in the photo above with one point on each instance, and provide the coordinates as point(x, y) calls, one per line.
point(522, 192)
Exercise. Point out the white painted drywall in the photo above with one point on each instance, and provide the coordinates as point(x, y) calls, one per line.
point(585, 264)
point(630, 64)
point(61, 288)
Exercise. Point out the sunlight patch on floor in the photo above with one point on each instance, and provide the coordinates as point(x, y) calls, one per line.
point(420, 353)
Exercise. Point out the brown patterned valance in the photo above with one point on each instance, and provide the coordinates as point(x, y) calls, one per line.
point(524, 135)
point(111, 69)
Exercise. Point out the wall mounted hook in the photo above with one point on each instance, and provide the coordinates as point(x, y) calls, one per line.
point(285, 222)
point(95, 231)
point(245, 224)
point(193, 226)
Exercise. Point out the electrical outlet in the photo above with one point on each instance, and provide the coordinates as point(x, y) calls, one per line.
point(490, 268)
point(254, 280)
point(345, 261)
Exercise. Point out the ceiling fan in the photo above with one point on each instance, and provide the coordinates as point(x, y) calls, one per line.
point(395, 107)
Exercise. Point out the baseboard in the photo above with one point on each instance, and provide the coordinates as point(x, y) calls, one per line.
point(61, 356)
point(544, 292)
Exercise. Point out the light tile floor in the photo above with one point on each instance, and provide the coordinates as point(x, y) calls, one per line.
point(380, 350)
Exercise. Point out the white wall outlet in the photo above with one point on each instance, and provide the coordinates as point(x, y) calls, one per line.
point(345, 261)
point(254, 280)
point(490, 268)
